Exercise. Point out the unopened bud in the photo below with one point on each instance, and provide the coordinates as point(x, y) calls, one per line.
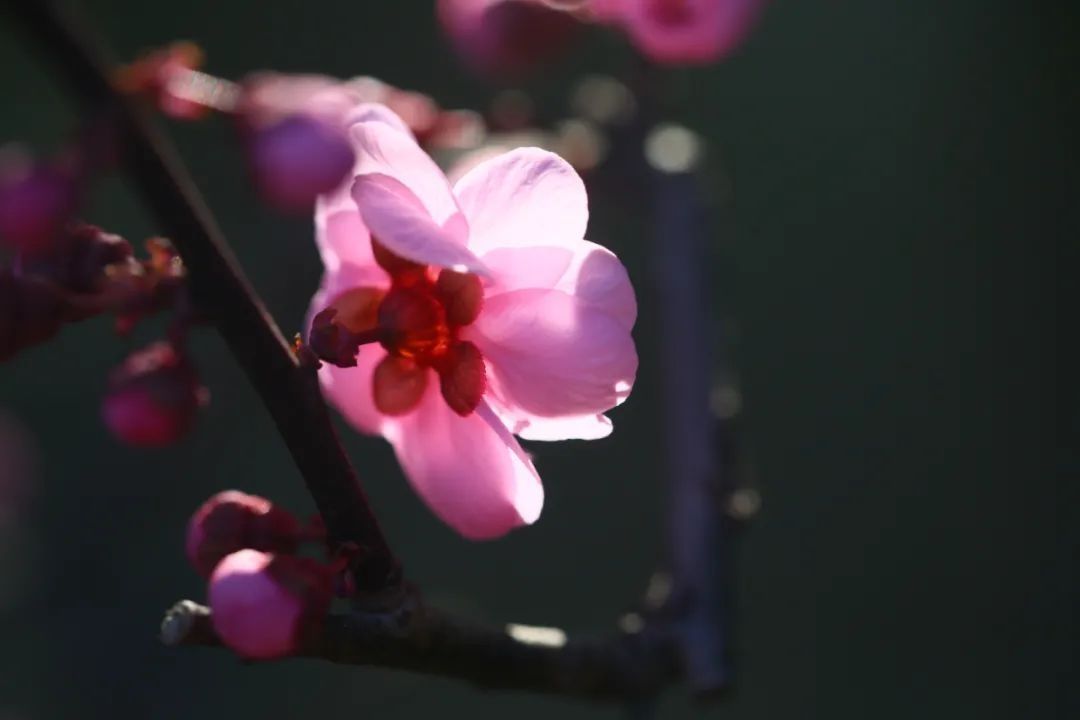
point(79, 258)
point(231, 521)
point(153, 397)
point(506, 37)
point(298, 158)
point(265, 606)
point(36, 201)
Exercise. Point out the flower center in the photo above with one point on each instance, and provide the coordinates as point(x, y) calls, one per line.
point(420, 319)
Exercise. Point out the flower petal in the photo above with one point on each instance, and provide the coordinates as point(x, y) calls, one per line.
point(470, 470)
point(374, 112)
point(343, 239)
point(400, 222)
point(589, 272)
point(341, 200)
point(525, 197)
point(350, 391)
point(383, 149)
point(534, 427)
point(553, 355)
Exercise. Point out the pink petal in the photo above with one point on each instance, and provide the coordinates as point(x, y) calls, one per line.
point(525, 197)
point(340, 200)
point(581, 427)
point(589, 272)
point(552, 355)
point(350, 391)
point(383, 149)
point(399, 221)
point(343, 239)
point(469, 470)
point(374, 112)
point(534, 427)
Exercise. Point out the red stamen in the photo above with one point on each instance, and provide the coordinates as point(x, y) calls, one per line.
point(398, 384)
point(461, 294)
point(463, 378)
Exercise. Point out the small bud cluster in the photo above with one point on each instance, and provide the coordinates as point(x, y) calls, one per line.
point(266, 600)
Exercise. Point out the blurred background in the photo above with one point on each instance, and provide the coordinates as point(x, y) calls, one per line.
point(892, 188)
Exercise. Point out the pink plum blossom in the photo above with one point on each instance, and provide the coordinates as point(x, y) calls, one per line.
point(681, 32)
point(495, 318)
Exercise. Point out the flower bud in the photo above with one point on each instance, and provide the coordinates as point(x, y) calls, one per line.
point(298, 158)
point(78, 259)
point(265, 606)
point(153, 397)
point(231, 521)
point(36, 201)
point(506, 37)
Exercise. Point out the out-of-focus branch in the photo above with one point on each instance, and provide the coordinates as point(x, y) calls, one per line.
point(697, 547)
point(421, 639)
point(222, 294)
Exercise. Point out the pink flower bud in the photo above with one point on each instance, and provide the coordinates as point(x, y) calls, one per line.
point(36, 201)
point(264, 606)
point(298, 158)
point(506, 37)
point(231, 521)
point(153, 397)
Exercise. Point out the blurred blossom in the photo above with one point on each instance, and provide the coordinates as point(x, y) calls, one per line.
point(18, 466)
point(168, 78)
point(507, 37)
point(294, 132)
point(153, 397)
point(36, 199)
point(681, 32)
point(494, 316)
point(296, 159)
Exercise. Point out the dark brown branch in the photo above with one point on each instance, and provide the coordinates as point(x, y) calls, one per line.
point(424, 640)
point(222, 293)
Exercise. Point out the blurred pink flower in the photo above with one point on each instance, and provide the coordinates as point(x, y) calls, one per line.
point(506, 37)
point(294, 133)
point(497, 318)
point(681, 32)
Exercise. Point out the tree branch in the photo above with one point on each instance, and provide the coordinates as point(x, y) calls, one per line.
point(423, 640)
point(697, 526)
point(219, 289)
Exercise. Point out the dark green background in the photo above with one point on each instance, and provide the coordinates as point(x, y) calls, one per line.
point(904, 195)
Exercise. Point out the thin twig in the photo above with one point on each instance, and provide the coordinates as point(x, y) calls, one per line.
point(423, 640)
point(222, 294)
